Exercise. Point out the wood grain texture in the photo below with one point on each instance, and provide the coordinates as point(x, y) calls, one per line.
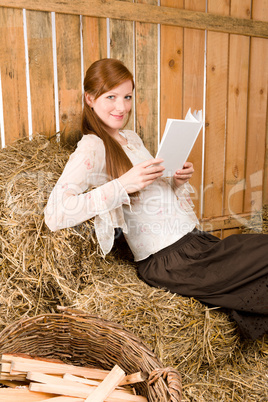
point(69, 73)
point(229, 232)
point(193, 92)
point(82, 392)
point(107, 386)
point(225, 222)
point(13, 75)
point(265, 174)
point(216, 100)
point(64, 399)
point(237, 114)
point(147, 12)
point(22, 395)
point(122, 48)
point(94, 40)
point(122, 40)
point(257, 123)
point(147, 84)
point(171, 84)
point(41, 72)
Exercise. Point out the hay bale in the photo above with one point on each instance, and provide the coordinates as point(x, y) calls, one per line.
point(41, 269)
point(258, 222)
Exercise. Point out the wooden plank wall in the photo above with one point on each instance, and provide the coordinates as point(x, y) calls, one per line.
point(44, 57)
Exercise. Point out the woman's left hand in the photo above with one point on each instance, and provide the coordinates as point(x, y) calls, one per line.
point(181, 176)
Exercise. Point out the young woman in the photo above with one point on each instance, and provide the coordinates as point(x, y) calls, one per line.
point(111, 176)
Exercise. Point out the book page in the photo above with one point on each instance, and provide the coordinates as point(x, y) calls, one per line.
point(177, 142)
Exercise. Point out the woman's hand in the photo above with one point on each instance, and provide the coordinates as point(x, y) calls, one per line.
point(141, 175)
point(181, 176)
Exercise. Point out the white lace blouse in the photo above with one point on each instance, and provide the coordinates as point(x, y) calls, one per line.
point(155, 219)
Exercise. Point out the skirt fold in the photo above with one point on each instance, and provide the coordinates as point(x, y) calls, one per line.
point(230, 273)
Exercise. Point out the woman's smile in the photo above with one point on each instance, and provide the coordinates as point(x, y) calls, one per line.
point(118, 117)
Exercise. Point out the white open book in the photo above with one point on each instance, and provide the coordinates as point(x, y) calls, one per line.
point(178, 140)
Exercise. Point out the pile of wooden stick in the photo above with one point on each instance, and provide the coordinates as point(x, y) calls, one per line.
point(28, 379)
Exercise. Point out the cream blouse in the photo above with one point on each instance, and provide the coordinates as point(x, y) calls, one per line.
point(155, 219)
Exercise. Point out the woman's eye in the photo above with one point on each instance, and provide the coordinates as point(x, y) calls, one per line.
point(110, 97)
point(128, 97)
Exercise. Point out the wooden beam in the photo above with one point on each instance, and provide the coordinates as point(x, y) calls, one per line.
point(225, 222)
point(124, 10)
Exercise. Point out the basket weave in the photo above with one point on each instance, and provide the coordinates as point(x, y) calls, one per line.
point(81, 339)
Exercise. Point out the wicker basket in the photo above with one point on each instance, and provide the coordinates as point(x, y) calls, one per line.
point(80, 339)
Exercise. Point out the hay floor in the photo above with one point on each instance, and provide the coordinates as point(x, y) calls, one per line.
point(40, 270)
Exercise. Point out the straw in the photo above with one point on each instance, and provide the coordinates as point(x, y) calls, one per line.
point(41, 269)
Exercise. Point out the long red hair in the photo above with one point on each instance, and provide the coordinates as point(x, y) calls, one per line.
point(102, 76)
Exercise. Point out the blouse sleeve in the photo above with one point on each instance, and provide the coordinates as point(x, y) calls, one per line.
point(72, 202)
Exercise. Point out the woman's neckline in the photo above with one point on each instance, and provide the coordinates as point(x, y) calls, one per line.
point(122, 134)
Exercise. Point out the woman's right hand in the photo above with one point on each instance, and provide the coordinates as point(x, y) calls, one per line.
point(141, 175)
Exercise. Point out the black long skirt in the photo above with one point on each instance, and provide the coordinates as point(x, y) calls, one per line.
point(230, 273)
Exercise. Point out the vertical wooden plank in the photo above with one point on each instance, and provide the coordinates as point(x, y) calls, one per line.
point(94, 36)
point(69, 73)
point(41, 72)
point(122, 47)
point(13, 74)
point(265, 175)
point(94, 40)
point(257, 115)
point(171, 69)
point(147, 82)
point(237, 113)
point(193, 87)
point(122, 40)
point(193, 66)
point(216, 99)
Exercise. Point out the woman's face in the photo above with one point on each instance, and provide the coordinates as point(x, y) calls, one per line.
point(113, 106)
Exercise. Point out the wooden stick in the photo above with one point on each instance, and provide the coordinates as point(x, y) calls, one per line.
point(22, 395)
point(63, 399)
point(107, 386)
point(9, 357)
point(18, 367)
point(5, 367)
point(18, 377)
point(130, 379)
point(56, 368)
point(14, 384)
point(69, 390)
point(75, 386)
point(81, 380)
point(61, 389)
point(140, 376)
point(50, 366)
point(72, 399)
point(50, 379)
